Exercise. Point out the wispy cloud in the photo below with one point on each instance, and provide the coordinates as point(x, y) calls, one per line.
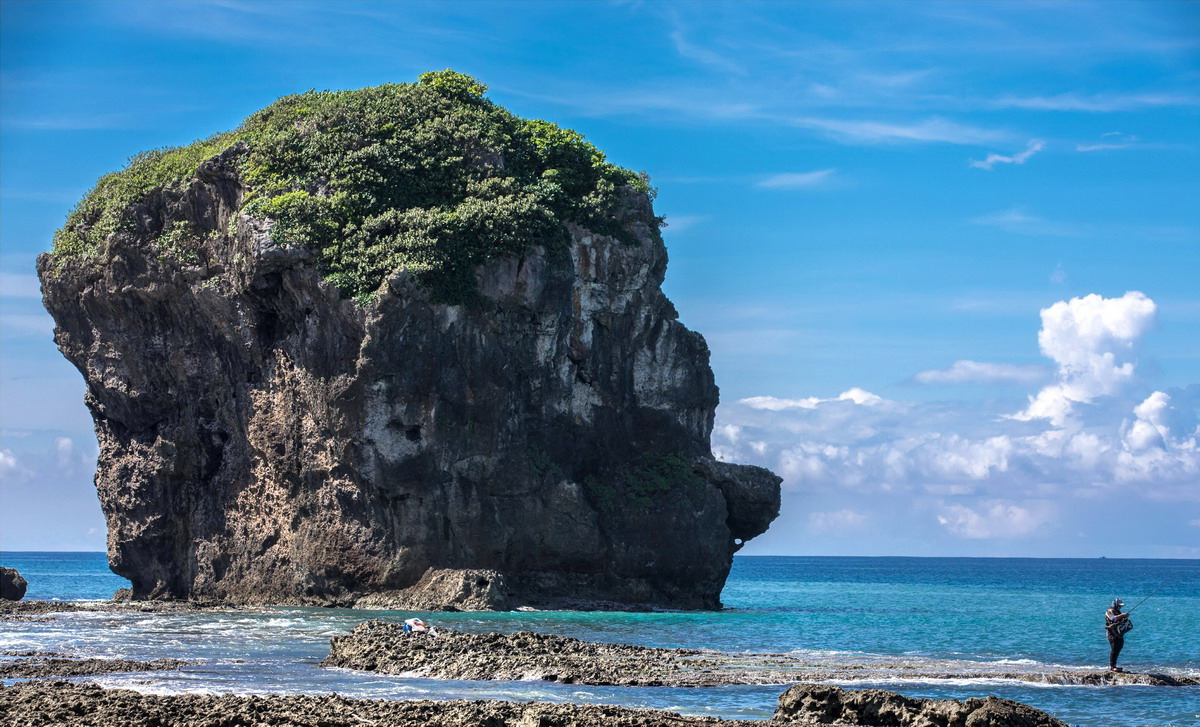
point(73, 122)
point(939, 130)
point(797, 180)
point(1096, 103)
point(976, 372)
point(1016, 220)
point(1112, 140)
point(1034, 146)
point(702, 54)
point(681, 223)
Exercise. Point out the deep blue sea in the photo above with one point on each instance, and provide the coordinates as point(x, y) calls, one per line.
point(947, 615)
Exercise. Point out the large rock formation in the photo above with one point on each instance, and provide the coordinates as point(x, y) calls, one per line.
point(264, 439)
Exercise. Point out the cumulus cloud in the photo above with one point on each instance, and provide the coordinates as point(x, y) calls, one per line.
point(1034, 146)
point(1089, 339)
point(975, 372)
point(973, 470)
point(797, 180)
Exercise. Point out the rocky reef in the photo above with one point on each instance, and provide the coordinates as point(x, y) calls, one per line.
point(33, 664)
point(817, 704)
point(309, 389)
point(386, 648)
point(804, 705)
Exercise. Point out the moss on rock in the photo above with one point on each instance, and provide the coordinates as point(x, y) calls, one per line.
point(430, 176)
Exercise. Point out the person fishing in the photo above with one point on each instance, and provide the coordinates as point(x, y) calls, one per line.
point(1116, 625)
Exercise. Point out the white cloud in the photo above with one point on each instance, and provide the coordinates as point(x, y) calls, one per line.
point(836, 521)
point(975, 372)
point(1034, 146)
point(996, 519)
point(702, 54)
point(797, 180)
point(1059, 276)
point(878, 132)
point(971, 470)
point(1088, 338)
point(1115, 140)
point(8, 461)
point(771, 403)
point(65, 450)
point(1103, 102)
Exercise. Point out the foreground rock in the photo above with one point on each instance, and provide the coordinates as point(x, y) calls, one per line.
point(10, 610)
point(64, 704)
point(817, 704)
point(12, 585)
point(34, 704)
point(35, 664)
point(384, 647)
point(264, 439)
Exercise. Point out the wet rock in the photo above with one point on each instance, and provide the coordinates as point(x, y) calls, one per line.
point(34, 664)
point(817, 704)
point(63, 704)
point(263, 440)
point(12, 585)
point(385, 647)
point(1099, 678)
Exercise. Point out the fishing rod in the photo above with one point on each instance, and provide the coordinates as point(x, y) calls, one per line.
point(1156, 590)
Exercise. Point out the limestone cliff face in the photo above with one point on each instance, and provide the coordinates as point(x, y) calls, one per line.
point(264, 440)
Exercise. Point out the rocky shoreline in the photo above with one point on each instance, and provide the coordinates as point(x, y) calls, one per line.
point(26, 610)
point(384, 647)
point(44, 703)
point(39, 664)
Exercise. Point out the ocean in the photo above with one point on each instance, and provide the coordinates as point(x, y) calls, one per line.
point(944, 615)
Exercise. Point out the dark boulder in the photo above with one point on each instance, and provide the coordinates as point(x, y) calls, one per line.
point(12, 585)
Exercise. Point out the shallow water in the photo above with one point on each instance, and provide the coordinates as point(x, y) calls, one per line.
point(946, 615)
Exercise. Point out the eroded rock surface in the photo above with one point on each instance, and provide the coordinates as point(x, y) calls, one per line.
point(63, 704)
point(386, 648)
point(263, 440)
point(818, 704)
point(30, 665)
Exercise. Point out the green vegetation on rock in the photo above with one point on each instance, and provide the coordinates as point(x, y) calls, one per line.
point(430, 177)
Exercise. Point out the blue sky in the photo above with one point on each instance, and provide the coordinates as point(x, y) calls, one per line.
point(945, 254)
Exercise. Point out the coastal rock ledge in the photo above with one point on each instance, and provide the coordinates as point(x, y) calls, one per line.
point(267, 437)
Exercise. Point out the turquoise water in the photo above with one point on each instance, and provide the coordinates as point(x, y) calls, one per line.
point(945, 615)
